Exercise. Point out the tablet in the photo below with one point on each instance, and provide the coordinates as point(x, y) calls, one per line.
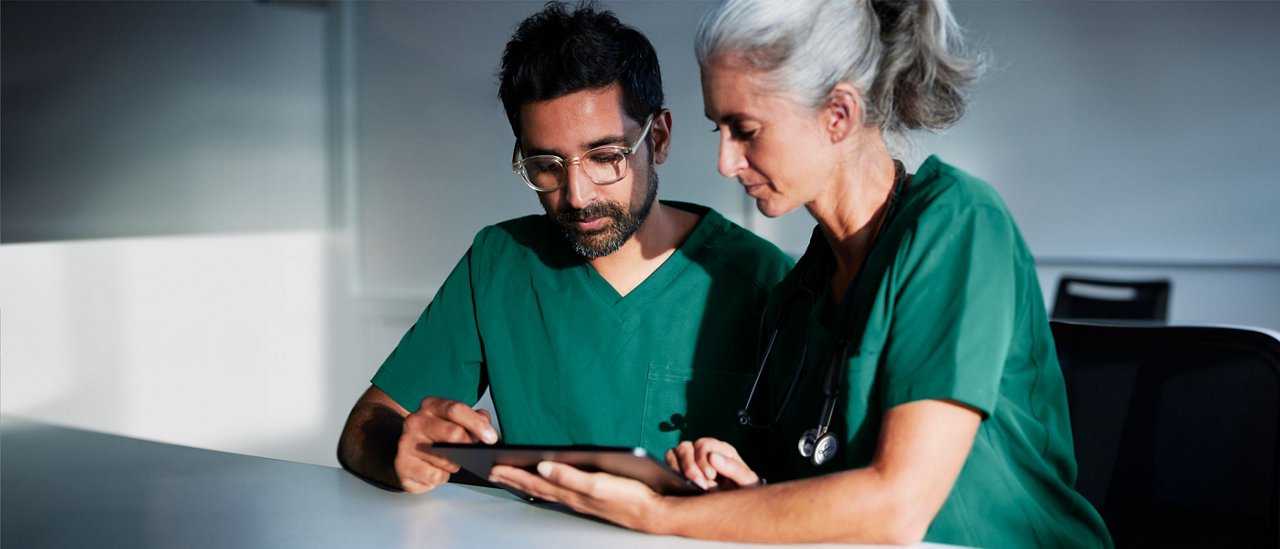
point(634, 463)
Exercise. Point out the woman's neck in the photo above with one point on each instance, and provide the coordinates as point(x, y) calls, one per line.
point(853, 209)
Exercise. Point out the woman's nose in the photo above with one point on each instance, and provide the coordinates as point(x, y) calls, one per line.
point(731, 160)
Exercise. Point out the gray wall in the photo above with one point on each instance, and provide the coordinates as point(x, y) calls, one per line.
point(1128, 138)
point(251, 201)
point(149, 118)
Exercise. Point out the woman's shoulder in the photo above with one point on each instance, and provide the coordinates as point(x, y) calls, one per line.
point(939, 184)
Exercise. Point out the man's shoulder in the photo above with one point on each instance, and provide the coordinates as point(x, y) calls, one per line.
point(738, 249)
point(527, 232)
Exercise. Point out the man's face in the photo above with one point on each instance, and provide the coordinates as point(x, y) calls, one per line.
point(595, 219)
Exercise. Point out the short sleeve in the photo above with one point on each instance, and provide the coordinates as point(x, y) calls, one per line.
point(441, 354)
point(953, 317)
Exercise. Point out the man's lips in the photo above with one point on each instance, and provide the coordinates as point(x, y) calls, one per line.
point(591, 224)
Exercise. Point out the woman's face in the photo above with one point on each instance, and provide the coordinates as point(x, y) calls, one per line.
point(776, 148)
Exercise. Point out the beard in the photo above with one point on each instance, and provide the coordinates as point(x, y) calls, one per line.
point(621, 225)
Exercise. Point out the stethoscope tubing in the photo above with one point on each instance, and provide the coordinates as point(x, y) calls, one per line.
point(839, 353)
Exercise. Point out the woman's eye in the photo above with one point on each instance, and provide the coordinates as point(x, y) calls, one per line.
point(743, 134)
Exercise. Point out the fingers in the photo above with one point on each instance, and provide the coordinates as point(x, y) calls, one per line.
point(437, 420)
point(712, 463)
point(532, 484)
point(735, 470)
point(723, 458)
point(419, 472)
point(687, 464)
point(476, 424)
point(488, 419)
point(623, 501)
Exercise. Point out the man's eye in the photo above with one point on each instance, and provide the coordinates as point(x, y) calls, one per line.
point(540, 167)
point(611, 157)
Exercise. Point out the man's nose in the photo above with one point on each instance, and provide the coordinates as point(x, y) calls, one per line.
point(578, 188)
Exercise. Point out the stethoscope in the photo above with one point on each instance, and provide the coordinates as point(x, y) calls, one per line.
point(818, 444)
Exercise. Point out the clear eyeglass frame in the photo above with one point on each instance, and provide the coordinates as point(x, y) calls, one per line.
point(613, 162)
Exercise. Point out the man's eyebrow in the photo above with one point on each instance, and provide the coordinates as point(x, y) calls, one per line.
point(600, 142)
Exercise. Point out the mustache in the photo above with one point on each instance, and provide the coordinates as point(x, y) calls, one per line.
point(594, 210)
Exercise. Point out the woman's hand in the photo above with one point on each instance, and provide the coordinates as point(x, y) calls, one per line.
point(622, 501)
point(712, 464)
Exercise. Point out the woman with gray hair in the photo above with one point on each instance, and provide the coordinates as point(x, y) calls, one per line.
point(909, 389)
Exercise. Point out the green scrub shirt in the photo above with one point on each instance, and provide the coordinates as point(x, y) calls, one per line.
point(953, 311)
point(570, 361)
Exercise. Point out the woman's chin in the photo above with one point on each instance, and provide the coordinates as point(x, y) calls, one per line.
point(772, 208)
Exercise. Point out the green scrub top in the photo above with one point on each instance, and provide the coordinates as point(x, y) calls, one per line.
point(570, 361)
point(953, 311)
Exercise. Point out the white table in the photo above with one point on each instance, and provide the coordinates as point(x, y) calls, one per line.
point(63, 487)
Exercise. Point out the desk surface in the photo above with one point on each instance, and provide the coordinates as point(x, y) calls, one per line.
point(63, 487)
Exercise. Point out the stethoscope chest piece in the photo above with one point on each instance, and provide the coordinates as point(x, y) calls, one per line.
point(819, 449)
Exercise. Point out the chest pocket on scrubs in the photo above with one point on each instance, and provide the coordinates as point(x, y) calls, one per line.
point(683, 404)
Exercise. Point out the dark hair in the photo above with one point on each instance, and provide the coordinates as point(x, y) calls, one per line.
point(556, 52)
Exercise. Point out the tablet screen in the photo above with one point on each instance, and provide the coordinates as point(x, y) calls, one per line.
point(633, 463)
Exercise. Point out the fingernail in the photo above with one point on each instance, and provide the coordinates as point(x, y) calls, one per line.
point(710, 472)
point(494, 479)
point(489, 436)
point(544, 468)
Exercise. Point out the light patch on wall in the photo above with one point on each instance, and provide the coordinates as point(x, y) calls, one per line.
point(210, 341)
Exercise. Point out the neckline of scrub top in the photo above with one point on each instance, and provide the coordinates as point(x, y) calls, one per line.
point(651, 286)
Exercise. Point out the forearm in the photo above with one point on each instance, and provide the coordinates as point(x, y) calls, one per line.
point(860, 506)
point(894, 500)
point(368, 443)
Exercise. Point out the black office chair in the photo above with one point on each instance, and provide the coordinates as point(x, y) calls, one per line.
point(1082, 298)
point(1176, 431)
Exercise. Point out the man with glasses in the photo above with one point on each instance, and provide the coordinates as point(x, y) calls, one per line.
point(615, 319)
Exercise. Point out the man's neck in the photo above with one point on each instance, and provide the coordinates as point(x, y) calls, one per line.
point(657, 238)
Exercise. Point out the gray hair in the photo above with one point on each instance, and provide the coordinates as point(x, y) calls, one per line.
point(903, 56)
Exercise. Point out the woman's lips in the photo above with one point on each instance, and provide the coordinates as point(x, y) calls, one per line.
point(755, 190)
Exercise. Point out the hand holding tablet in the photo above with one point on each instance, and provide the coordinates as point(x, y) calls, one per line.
point(633, 463)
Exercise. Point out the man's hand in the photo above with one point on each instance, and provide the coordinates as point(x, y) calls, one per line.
point(712, 464)
point(437, 420)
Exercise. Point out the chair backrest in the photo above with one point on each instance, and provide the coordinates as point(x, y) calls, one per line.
point(1098, 299)
point(1176, 431)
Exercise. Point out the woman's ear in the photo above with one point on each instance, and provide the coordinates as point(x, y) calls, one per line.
point(843, 112)
point(661, 135)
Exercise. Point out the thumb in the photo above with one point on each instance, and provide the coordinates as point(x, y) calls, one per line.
point(488, 418)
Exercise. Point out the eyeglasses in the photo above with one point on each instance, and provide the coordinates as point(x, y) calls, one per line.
point(603, 165)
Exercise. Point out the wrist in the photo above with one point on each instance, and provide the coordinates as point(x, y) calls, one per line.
point(665, 516)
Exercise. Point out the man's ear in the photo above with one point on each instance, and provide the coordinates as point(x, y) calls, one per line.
point(661, 136)
point(843, 112)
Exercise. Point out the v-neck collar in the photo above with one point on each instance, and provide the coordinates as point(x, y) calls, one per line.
point(677, 262)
